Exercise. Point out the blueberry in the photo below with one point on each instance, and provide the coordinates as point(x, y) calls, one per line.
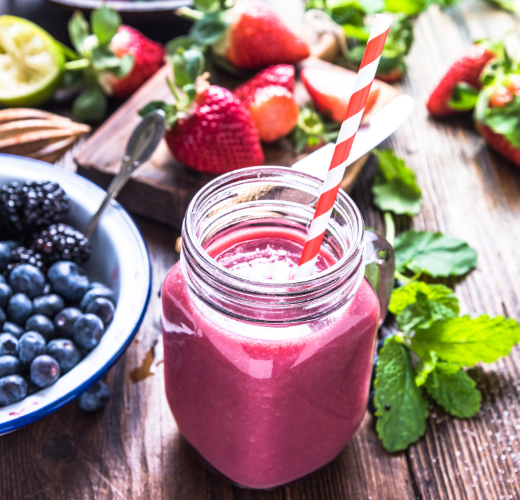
point(47, 289)
point(64, 322)
point(95, 398)
point(2, 317)
point(41, 324)
point(6, 293)
point(12, 389)
point(2, 279)
point(65, 353)
point(31, 386)
point(44, 371)
point(93, 293)
point(102, 308)
point(13, 329)
point(69, 280)
point(5, 254)
point(8, 344)
point(27, 279)
point(30, 345)
point(10, 365)
point(19, 308)
point(48, 305)
point(87, 331)
point(370, 405)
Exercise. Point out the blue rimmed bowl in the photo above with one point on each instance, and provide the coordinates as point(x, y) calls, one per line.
point(119, 259)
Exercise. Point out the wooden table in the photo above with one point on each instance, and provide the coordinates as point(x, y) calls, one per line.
point(132, 449)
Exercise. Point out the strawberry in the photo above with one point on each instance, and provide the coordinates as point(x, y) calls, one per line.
point(500, 97)
point(248, 35)
point(281, 74)
point(330, 88)
point(148, 58)
point(210, 130)
point(466, 70)
point(500, 144)
point(268, 97)
point(113, 60)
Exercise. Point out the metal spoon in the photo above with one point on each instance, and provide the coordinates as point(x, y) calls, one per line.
point(142, 143)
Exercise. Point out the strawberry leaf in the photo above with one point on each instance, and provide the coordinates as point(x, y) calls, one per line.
point(105, 23)
point(210, 29)
point(464, 97)
point(91, 104)
point(78, 31)
point(184, 42)
point(504, 120)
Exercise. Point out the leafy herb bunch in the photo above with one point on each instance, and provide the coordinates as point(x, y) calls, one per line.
point(433, 343)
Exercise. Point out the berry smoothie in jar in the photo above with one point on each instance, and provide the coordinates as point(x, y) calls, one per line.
point(268, 377)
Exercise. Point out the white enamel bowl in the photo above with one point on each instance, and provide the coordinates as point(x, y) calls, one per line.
point(119, 260)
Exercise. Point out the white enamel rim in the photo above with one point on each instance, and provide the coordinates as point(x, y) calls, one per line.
point(120, 242)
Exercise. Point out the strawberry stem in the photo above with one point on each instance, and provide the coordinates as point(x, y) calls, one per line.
point(191, 14)
point(173, 89)
point(77, 64)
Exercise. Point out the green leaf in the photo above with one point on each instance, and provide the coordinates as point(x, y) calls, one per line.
point(187, 66)
point(464, 97)
point(504, 120)
point(91, 104)
point(454, 390)
point(408, 7)
point(509, 5)
point(169, 110)
point(433, 253)
point(400, 406)
point(210, 29)
point(395, 188)
point(465, 341)
point(105, 23)
point(183, 42)
point(420, 304)
point(205, 5)
point(103, 59)
point(78, 30)
point(425, 366)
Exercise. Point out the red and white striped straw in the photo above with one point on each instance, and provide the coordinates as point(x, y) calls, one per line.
point(347, 133)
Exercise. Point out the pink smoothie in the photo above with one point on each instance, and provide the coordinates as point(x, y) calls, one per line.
point(266, 404)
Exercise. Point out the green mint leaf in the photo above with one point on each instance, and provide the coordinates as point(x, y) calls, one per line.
point(78, 31)
point(209, 30)
point(420, 304)
point(105, 23)
point(464, 97)
point(425, 366)
point(433, 253)
point(401, 408)
point(465, 341)
point(454, 390)
point(91, 104)
point(395, 188)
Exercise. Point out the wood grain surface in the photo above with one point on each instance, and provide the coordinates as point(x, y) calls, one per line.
point(132, 449)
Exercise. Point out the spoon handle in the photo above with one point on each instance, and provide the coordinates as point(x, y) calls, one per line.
point(127, 168)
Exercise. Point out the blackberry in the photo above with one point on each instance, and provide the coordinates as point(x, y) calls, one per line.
point(62, 242)
point(22, 255)
point(30, 206)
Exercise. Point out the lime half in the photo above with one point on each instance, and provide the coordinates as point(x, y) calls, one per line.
point(31, 63)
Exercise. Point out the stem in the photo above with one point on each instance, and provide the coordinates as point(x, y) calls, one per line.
point(402, 277)
point(173, 89)
point(191, 14)
point(389, 227)
point(76, 65)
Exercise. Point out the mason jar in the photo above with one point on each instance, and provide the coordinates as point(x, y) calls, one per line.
point(268, 377)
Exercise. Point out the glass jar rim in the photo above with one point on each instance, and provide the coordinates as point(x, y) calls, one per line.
point(261, 173)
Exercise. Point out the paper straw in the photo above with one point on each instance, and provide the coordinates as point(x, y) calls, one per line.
point(347, 133)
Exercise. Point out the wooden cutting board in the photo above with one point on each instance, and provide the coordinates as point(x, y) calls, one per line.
point(162, 188)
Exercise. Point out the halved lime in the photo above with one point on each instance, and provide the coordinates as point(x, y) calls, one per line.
point(31, 63)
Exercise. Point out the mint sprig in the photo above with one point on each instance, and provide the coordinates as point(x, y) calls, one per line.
point(433, 345)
